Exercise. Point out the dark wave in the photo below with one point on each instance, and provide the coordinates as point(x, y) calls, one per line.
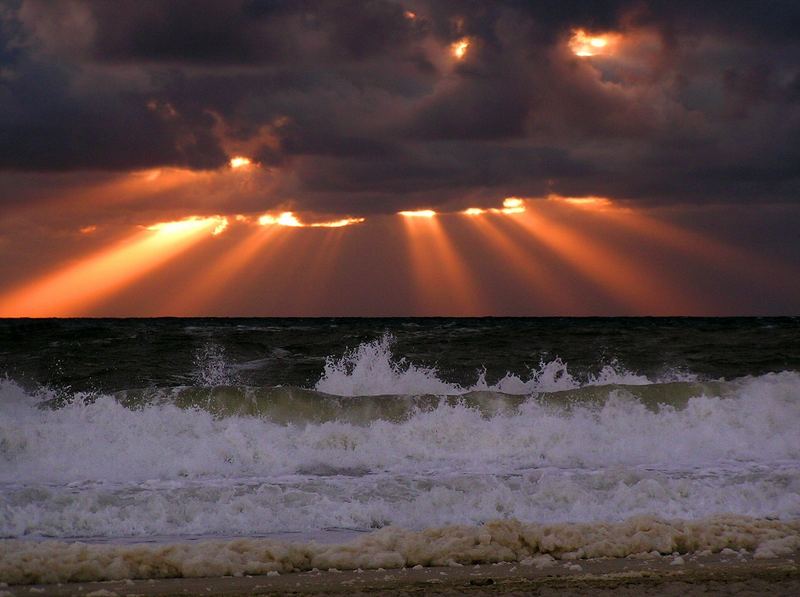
point(292, 405)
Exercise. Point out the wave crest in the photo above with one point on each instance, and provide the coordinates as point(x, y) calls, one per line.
point(371, 369)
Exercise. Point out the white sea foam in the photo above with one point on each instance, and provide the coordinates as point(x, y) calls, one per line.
point(500, 540)
point(102, 440)
point(98, 468)
point(244, 507)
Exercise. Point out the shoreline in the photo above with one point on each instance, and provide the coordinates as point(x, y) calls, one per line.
point(665, 575)
point(639, 541)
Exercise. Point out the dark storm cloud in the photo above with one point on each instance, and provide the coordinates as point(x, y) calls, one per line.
point(357, 107)
point(45, 127)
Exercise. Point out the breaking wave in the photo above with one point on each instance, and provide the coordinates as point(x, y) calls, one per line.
point(371, 370)
point(379, 441)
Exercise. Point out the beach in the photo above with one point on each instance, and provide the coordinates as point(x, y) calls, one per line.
point(501, 556)
point(731, 573)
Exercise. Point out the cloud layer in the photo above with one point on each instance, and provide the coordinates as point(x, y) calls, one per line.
point(361, 107)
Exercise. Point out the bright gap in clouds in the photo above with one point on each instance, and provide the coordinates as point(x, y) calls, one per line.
point(585, 44)
point(240, 162)
point(459, 48)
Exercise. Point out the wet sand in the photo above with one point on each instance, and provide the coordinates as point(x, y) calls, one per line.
point(726, 573)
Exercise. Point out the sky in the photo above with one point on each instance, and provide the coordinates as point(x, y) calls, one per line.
point(399, 158)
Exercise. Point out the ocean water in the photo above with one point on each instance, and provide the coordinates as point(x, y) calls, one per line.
point(163, 431)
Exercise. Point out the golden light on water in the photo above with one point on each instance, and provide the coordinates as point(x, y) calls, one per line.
point(585, 44)
point(419, 213)
point(473, 211)
point(459, 48)
point(239, 161)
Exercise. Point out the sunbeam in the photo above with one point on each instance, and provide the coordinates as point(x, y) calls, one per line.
point(442, 279)
point(74, 289)
point(522, 264)
point(225, 274)
point(634, 286)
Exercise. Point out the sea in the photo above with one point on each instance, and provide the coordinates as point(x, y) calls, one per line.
point(175, 431)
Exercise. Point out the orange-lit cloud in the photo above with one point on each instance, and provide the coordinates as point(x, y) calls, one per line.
point(289, 219)
point(286, 218)
point(337, 223)
point(596, 203)
point(511, 205)
point(419, 213)
point(191, 224)
point(74, 289)
point(585, 44)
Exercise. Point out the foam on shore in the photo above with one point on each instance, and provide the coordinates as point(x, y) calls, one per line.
point(27, 562)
